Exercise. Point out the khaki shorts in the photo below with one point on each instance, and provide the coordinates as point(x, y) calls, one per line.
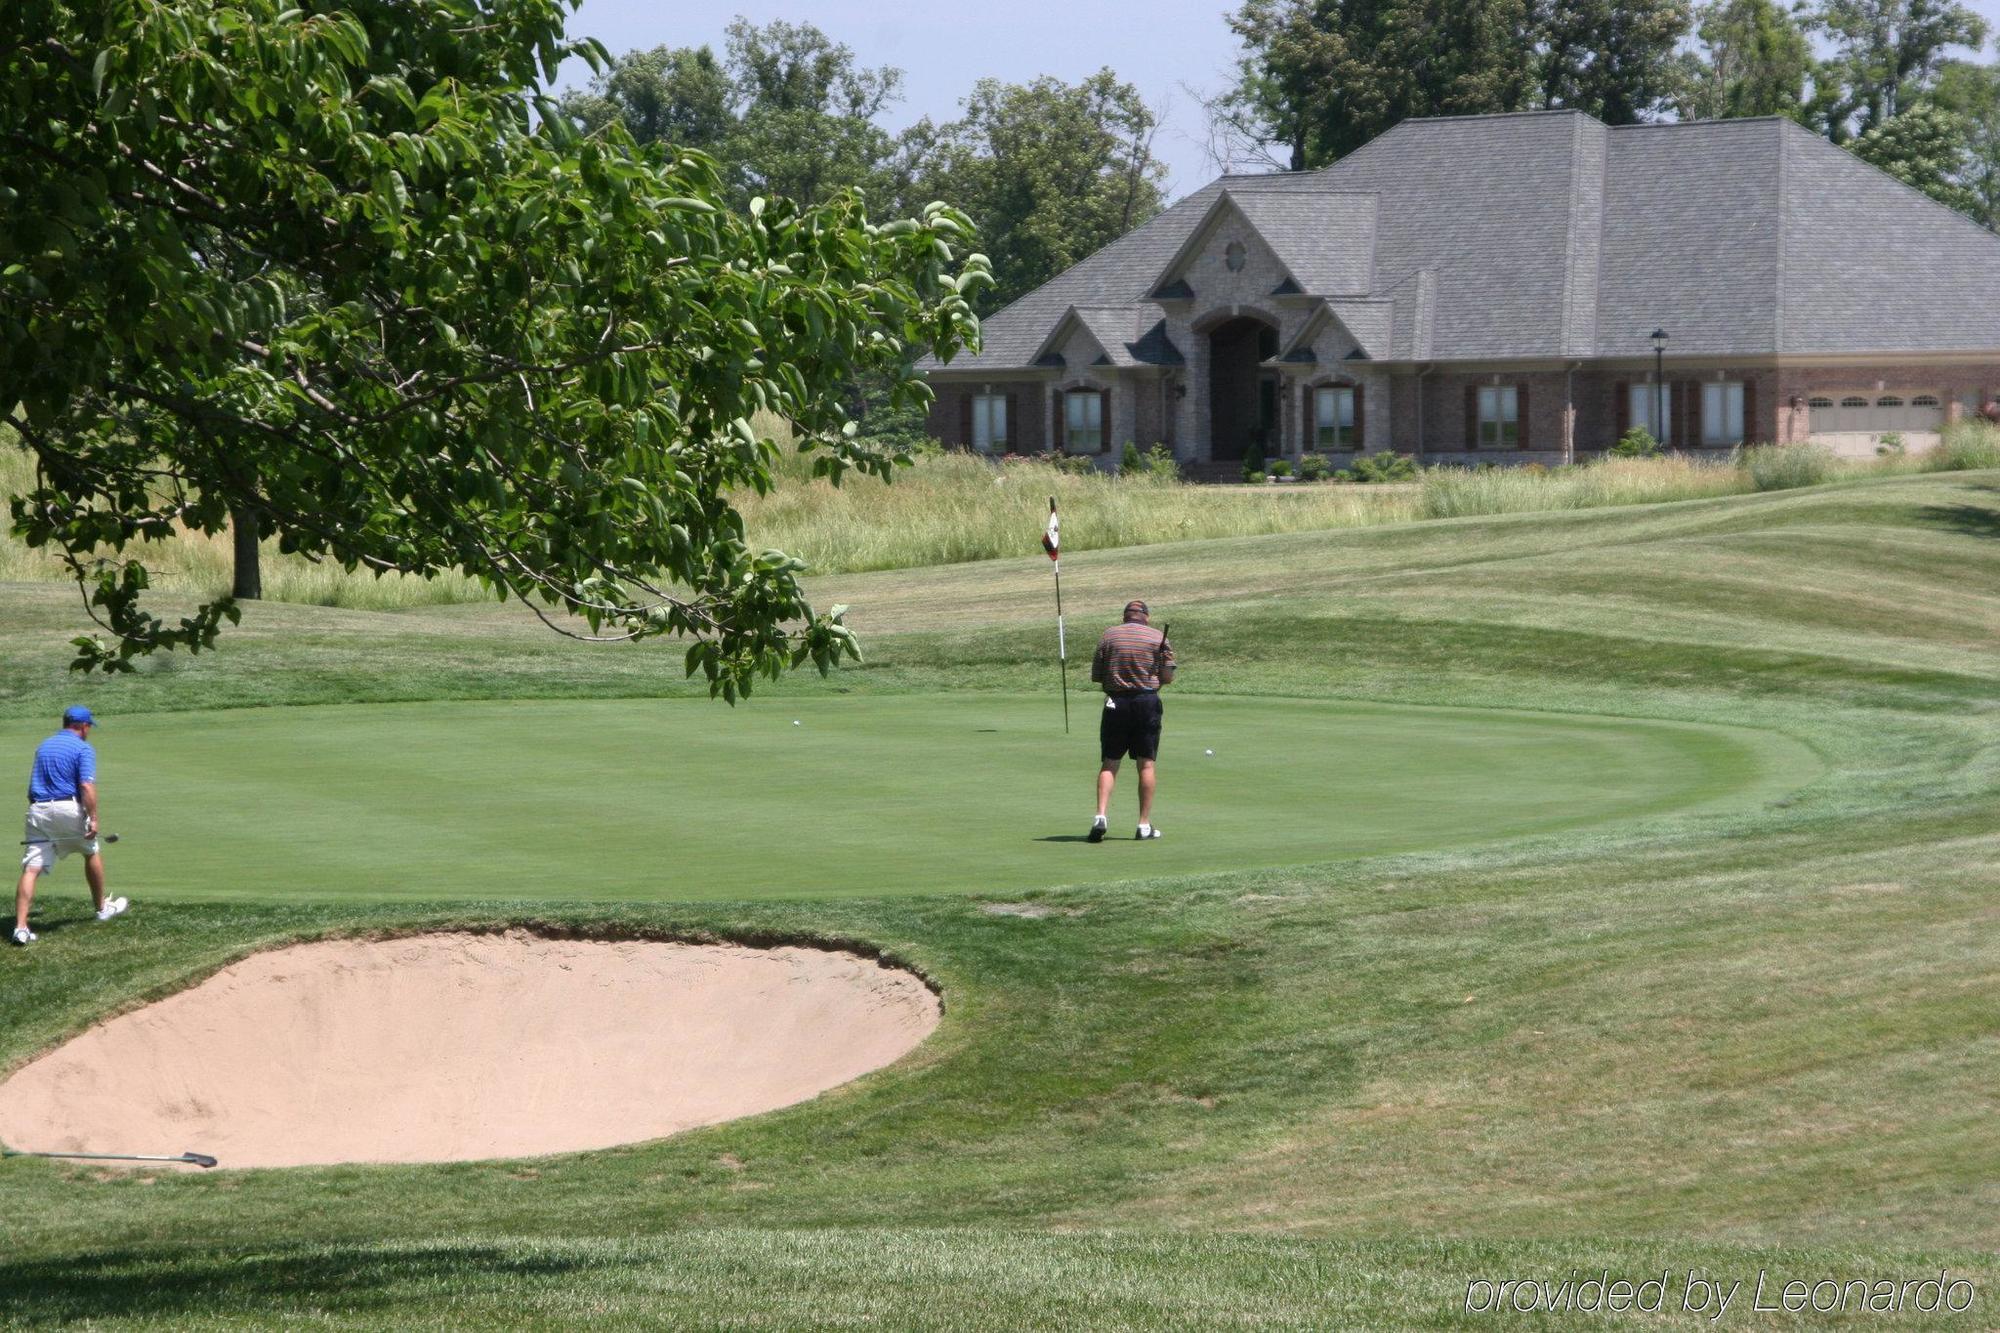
point(55, 829)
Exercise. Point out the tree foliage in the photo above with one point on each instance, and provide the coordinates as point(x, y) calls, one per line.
point(1049, 172)
point(1614, 59)
point(325, 268)
point(787, 111)
point(1752, 59)
point(1971, 92)
point(1886, 54)
point(1319, 78)
point(1923, 146)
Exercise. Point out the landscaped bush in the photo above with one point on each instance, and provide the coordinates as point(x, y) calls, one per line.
point(1314, 467)
point(1281, 468)
point(1385, 467)
point(1784, 467)
point(1253, 463)
point(1637, 442)
point(1159, 463)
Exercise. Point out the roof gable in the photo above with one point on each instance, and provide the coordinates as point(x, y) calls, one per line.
point(1322, 240)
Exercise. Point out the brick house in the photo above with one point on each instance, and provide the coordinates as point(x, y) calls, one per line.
point(1485, 289)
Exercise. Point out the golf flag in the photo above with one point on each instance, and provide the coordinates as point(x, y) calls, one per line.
point(1052, 543)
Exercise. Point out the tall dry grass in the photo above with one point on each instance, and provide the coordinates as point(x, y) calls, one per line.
point(1461, 493)
point(953, 507)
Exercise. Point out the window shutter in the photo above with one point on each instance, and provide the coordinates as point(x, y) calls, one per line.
point(1056, 431)
point(1309, 415)
point(1360, 420)
point(965, 420)
point(1472, 416)
point(1750, 422)
point(1103, 420)
point(1621, 410)
point(1006, 441)
point(1687, 417)
point(1521, 416)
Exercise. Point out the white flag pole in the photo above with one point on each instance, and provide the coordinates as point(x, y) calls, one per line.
point(1051, 543)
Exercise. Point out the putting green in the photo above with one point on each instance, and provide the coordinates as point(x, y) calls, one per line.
point(666, 800)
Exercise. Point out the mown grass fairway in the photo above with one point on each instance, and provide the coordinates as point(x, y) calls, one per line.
point(1754, 1032)
point(679, 799)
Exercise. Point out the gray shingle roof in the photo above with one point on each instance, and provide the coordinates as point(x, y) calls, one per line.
point(1548, 235)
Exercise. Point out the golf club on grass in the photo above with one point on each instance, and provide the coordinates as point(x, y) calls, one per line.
point(202, 1160)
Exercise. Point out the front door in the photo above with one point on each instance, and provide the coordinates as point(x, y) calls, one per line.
point(1242, 397)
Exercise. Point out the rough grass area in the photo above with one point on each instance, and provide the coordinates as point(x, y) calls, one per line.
point(953, 508)
point(1324, 1094)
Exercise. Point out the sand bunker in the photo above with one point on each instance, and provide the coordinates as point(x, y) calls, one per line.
point(451, 1047)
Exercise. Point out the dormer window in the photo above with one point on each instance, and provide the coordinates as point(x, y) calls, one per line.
point(1234, 256)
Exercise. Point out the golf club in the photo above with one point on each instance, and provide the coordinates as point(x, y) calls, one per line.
point(202, 1160)
point(102, 837)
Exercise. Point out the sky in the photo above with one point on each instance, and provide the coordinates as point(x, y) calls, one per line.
point(1175, 53)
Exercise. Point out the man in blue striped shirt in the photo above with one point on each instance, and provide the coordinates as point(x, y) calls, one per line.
point(62, 818)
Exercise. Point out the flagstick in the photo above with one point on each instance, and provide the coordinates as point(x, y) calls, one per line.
point(1062, 648)
point(1051, 543)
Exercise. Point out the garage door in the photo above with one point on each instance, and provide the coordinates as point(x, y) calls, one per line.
point(1876, 414)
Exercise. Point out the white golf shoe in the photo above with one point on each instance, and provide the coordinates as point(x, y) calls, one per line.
point(113, 907)
point(1146, 831)
point(22, 935)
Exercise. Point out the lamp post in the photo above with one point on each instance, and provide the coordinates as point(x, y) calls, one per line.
point(1660, 385)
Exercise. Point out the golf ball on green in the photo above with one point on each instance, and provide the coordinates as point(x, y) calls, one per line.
point(1208, 752)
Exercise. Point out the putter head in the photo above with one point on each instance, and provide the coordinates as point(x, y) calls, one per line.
point(202, 1160)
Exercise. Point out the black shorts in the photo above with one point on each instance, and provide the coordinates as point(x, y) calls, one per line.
point(1130, 724)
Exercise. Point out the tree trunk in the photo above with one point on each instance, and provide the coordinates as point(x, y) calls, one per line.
point(248, 585)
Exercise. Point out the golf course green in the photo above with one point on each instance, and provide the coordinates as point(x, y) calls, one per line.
point(681, 799)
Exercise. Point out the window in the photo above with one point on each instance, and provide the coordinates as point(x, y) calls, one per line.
point(1722, 413)
point(1646, 401)
point(1083, 422)
point(1853, 401)
point(1235, 256)
point(1819, 402)
point(1499, 417)
point(1889, 400)
point(1924, 400)
point(1333, 419)
point(989, 422)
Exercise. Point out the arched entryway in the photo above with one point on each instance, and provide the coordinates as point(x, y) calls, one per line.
point(1242, 395)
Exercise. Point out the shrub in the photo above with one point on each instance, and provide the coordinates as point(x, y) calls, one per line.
point(1637, 442)
point(1253, 463)
point(1281, 468)
point(1160, 464)
point(1891, 445)
point(1314, 467)
point(1385, 467)
point(1254, 478)
point(1783, 467)
point(1966, 445)
point(1130, 463)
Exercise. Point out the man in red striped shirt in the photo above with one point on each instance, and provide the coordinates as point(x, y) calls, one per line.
point(1133, 661)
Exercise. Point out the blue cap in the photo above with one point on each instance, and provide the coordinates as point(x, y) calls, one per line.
point(77, 715)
